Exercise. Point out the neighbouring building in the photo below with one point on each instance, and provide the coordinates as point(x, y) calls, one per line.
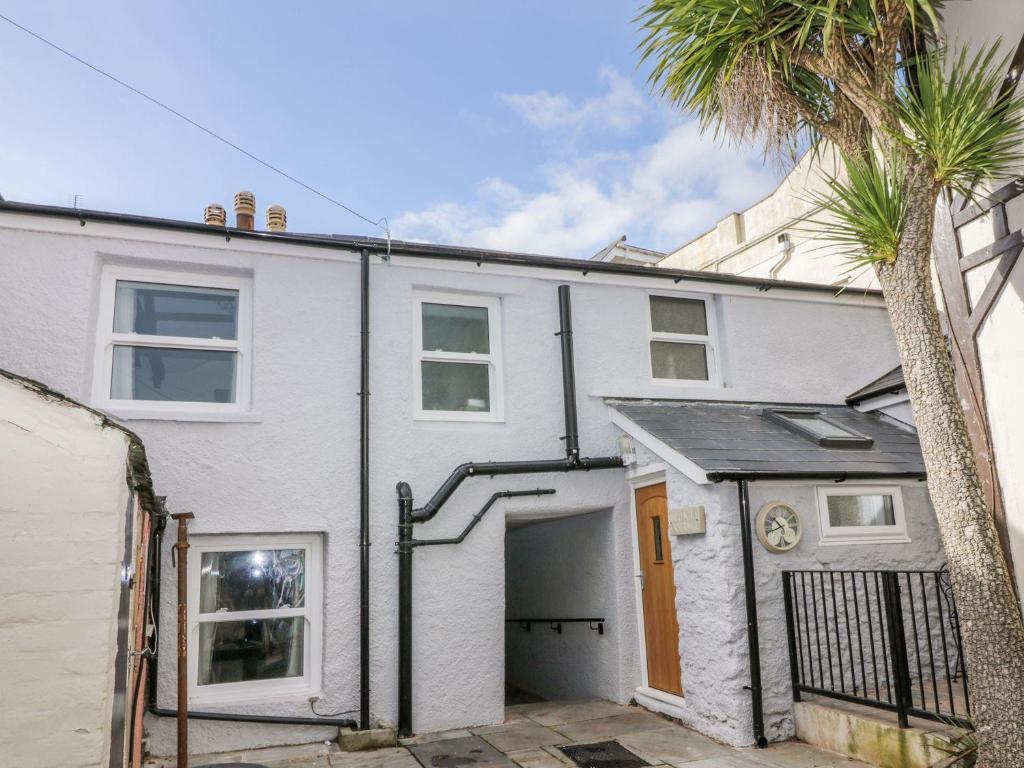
point(979, 279)
point(77, 510)
point(654, 455)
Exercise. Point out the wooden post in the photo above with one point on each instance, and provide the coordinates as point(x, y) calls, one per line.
point(181, 548)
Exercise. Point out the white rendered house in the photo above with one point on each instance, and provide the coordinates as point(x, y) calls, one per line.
point(612, 563)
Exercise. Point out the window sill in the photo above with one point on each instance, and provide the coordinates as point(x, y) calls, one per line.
point(836, 542)
point(134, 414)
point(253, 697)
point(458, 417)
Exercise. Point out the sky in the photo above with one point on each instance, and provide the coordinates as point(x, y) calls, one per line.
point(524, 126)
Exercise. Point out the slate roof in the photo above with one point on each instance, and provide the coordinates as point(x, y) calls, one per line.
point(727, 439)
point(883, 385)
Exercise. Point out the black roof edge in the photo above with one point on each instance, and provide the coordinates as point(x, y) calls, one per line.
point(860, 397)
point(423, 250)
point(139, 477)
point(719, 476)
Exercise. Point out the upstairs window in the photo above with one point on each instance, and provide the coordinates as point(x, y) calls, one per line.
point(172, 340)
point(458, 357)
point(681, 340)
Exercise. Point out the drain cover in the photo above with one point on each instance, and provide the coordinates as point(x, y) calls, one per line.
point(603, 754)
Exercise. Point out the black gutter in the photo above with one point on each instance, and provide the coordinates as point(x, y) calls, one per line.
point(750, 592)
point(408, 516)
point(444, 252)
point(892, 389)
point(364, 491)
point(718, 476)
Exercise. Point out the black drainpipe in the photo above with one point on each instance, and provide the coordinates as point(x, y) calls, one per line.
point(409, 516)
point(750, 591)
point(364, 492)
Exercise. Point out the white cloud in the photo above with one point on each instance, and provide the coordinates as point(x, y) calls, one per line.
point(660, 195)
point(620, 109)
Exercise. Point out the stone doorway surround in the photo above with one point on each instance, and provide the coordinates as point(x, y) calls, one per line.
point(530, 737)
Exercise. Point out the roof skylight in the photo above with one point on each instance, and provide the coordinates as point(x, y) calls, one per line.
point(816, 426)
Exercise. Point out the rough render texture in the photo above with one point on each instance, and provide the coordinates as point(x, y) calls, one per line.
point(710, 596)
point(293, 467)
point(63, 498)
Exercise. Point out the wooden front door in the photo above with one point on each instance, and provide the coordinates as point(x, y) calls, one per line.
point(658, 588)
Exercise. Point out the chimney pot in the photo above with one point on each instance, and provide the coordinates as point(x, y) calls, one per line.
point(277, 218)
point(215, 215)
point(245, 210)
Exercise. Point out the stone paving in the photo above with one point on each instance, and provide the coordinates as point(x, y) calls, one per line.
point(530, 737)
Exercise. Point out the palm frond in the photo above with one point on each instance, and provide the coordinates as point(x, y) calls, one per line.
point(864, 210)
point(955, 117)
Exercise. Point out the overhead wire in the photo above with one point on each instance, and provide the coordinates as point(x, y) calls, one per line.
point(381, 223)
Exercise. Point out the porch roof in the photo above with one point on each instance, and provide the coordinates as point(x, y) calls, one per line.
point(731, 440)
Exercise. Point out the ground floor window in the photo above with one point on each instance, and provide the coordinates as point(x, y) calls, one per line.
point(861, 514)
point(255, 616)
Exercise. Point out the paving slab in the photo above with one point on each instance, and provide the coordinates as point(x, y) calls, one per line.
point(519, 736)
point(394, 757)
point(672, 745)
point(612, 727)
point(721, 761)
point(457, 753)
point(559, 713)
point(426, 738)
point(793, 754)
point(536, 758)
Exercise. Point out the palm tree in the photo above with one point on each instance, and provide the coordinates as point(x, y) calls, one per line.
point(909, 123)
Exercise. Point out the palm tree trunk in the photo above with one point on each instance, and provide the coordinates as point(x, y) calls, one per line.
point(990, 619)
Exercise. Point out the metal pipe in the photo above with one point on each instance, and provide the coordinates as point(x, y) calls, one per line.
point(407, 516)
point(750, 592)
point(479, 516)
point(493, 468)
point(181, 548)
point(405, 523)
point(572, 430)
point(364, 492)
point(230, 717)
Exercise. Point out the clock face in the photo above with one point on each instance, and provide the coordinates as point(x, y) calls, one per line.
point(778, 527)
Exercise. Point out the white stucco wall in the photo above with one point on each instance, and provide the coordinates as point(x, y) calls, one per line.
point(291, 464)
point(63, 500)
point(710, 593)
point(560, 569)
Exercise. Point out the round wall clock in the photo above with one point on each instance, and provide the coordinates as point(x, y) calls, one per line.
point(778, 527)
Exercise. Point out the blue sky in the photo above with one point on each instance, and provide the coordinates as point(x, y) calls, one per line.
point(523, 126)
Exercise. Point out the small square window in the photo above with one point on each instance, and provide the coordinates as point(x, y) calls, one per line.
point(458, 360)
point(255, 609)
point(861, 514)
point(681, 345)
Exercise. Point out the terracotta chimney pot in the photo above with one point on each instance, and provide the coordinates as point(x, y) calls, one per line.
point(245, 210)
point(215, 215)
point(277, 218)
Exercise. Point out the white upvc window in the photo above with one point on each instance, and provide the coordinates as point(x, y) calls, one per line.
point(457, 357)
point(169, 342)
point(682, 334)
point(255, 616)
point(861, 514)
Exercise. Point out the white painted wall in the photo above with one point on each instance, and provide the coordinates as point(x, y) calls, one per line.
point(292, 464)
point(63, 500)
point(710, 595)
point(559, 569)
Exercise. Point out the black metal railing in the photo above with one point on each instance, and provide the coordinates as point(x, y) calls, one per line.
point(885, 639)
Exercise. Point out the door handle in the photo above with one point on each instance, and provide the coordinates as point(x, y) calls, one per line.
point(643, 581)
